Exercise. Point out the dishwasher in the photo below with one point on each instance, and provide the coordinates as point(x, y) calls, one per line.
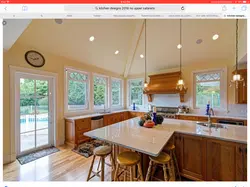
point(96, 122)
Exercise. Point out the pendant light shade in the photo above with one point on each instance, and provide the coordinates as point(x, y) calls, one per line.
point(236, 77)
point(180, 84)
point(145, 72)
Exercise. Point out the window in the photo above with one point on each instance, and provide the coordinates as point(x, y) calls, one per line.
point(135, 92)
point(116, 92)
point(77, 90)
point(100, 91)
point(208, 87)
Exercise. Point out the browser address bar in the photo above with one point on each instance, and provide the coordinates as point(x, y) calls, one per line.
point(124, 8)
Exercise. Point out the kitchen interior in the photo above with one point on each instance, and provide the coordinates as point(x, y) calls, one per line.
point(155, 100)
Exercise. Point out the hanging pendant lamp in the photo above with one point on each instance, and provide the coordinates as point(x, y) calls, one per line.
point(180, 84)
point(236, 77)
point(145, 72)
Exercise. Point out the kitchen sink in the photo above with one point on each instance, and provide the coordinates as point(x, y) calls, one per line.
point(212, 125)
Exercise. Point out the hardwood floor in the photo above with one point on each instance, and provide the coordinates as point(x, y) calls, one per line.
point(64, 165)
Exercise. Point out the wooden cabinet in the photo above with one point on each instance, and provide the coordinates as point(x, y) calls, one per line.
point(209, 159)
point(74, 130)
point(190, 153)
point(241, 92)
point(135, 114)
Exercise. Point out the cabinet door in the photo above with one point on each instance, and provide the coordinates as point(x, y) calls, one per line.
point(241, 162)
point(178, 149)
point(193, 157)
point(221, 160)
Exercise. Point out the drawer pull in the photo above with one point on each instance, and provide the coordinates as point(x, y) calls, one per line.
point(240, 150)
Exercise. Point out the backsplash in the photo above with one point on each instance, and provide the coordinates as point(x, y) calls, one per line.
point(173, 100)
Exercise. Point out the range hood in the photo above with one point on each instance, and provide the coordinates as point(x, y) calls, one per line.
point(164, 84)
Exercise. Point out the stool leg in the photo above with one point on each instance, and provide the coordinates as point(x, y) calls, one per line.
point(165, 172)
point(140, 171)
point(149, 170)
point(91, 167)
point(176, 165)
point(170, 172)
point(172, 165)
point(153, 170)
point(116, 172)
point(99, 164)
point(102, 172)
point(125, 173)
point(131, 173)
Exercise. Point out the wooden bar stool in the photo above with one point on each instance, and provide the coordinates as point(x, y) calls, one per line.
point(102, 152)
point(174, 163)
point(162, 160)
point(128, 159)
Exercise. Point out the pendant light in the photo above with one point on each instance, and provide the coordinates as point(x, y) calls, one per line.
point(236, 77)
point(145, 72)
point(180, 84)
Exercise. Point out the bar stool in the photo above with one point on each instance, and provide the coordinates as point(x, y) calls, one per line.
point(174, 163)
point(102, 152)
point(128, 159)
point(162, 160)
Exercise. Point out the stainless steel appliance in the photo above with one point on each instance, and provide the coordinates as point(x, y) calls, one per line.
point(167, 112)
point(230, 122)
point(96, 122)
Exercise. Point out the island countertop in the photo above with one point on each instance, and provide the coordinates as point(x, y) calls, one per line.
point(151, 141)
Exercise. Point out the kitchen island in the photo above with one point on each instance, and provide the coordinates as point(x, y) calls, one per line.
point(203, 153)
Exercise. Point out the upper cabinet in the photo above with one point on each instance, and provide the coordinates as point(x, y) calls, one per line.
point(241, 92)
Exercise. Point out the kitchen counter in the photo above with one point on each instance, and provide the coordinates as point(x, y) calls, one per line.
point(151, 141)
point(215, 116)
point(102, 114)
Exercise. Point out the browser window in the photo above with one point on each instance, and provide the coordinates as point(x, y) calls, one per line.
point(166, 82)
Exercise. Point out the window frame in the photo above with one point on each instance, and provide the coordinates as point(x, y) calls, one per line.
point(223, 87)
point(129, 93)
point(87, 107)
point(107, 106)
point(121, 93)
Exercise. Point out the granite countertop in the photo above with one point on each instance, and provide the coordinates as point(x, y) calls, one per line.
point(102, 114)
point(215, 116)
point(152, 140)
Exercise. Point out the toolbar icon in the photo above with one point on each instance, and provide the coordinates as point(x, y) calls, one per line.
point(4, 23)
point(24, 8)
point(224, 8)
point(182, 8)
point(244, 8)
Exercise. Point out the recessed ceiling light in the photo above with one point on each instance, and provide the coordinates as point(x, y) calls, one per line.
point(215, 37)
point(179, 46)
point(59, 21)
point(116, 52)
point(92, 38)
point(141, 56)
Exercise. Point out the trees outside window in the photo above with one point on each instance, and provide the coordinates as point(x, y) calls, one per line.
point(77, 88)
point(136, 91)
point(100, 91)
point(116, 92)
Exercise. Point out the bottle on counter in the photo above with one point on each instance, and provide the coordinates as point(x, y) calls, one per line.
point(154, 115)
point(208, 107)
point(133, 106)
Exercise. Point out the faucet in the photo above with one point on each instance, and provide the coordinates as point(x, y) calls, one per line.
point(210, 112)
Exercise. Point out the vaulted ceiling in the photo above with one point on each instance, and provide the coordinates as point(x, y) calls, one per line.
point(71, 39)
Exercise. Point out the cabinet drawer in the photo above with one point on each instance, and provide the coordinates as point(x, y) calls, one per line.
point(193, 118)
point(82, 124)
point(80, 133)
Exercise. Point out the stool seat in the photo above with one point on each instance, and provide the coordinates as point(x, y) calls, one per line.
point(128, 158)
point(102, 150)
point(170, 146)
point(163, 158)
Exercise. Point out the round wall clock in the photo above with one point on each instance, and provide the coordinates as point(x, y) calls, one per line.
point(34, 58)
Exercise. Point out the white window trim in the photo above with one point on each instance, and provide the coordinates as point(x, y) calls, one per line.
point(128, 94)
point(87, 108)
point(107, 99)
point(121, 94)
point(223, 87)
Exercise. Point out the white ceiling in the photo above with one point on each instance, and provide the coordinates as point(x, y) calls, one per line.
point(71, 39)
point(12, 30)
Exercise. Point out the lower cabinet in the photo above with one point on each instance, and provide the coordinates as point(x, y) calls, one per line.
point(135, 114)
point(114, 118)
point(209, 159)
